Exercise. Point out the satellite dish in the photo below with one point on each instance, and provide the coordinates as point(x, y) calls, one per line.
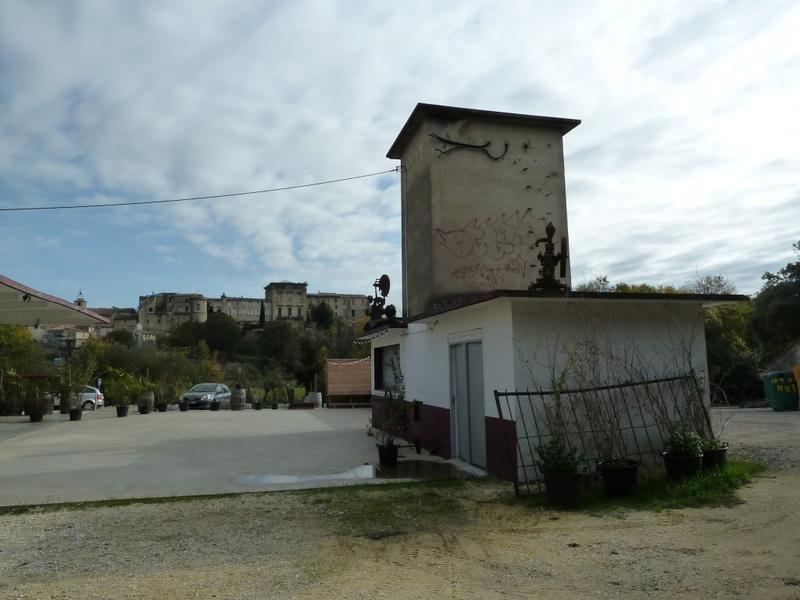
point(384, 284)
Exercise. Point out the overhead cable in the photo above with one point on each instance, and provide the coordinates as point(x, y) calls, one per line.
point(195, 198)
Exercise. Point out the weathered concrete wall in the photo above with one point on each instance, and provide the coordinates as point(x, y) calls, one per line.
point(350, 307)
point(417, 229)
point(633, 339)
point(244, 310)
point(161, 313)
point(471, 215)
point(586, 344)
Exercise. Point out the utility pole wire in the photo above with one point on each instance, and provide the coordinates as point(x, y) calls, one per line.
point(194, 198)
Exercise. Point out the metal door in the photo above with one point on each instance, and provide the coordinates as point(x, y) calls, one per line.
point(466, 390)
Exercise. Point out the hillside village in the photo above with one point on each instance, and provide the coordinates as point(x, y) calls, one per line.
point(158, 314)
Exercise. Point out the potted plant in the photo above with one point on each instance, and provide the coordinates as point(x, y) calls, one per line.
point(619, 474)
point(715, 453)
point(146, 395)
point(683, 456)
point(272, 397)
point(169, 388)
point(35, 402)
point(255, 398)
point(120, 387)
point(560, 466)
point(69, 387)
point(393, 424)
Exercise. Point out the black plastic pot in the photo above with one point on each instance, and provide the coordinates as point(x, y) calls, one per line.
point(619, 479)
point(256, 405)
point(183, 406)
point(387, 455)
point(715, 459)
point(75, 414)
point(36, 417)
point(161, 407)
point(681, 467)
point(122, 411)
point(563, 489)
point(215, 405)
point(144, 409)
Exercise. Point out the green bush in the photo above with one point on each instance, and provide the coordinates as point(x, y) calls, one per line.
point(685, 443)
point(556, 457)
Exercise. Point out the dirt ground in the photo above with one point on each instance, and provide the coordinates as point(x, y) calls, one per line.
point(474, 543)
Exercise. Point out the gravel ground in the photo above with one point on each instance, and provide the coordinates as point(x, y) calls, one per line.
point(291, 545)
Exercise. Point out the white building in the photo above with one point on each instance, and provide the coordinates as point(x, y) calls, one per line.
point(482, 310)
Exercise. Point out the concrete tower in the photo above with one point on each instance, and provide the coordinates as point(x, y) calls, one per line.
point(479, 188)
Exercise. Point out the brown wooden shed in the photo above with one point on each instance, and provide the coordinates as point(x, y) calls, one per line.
point(349, 382)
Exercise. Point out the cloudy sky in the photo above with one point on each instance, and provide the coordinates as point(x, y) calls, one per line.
point(687, 160)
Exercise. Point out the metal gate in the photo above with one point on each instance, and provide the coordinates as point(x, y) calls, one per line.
point(644, 410)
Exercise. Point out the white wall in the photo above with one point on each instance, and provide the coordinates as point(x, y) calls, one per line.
point(427, 352)
point(657, 338)
point(588, 343)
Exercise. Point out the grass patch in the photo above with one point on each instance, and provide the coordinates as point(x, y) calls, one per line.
point(385, 502)
point(380, 511)
point(21, 509)
point(655, 492)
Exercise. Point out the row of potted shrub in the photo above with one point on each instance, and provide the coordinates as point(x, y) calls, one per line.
point(686, 455)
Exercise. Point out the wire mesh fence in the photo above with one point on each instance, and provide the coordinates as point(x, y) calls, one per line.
point(629, 419)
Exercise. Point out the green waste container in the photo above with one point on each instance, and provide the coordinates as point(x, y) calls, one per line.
point(781, 390)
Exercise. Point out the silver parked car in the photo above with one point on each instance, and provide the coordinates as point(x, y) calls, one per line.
point(203, 394)
point(91, 398)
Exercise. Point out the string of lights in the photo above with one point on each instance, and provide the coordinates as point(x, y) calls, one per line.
point(195, 198)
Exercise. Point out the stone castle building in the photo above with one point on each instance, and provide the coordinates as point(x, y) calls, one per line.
point(161, 313)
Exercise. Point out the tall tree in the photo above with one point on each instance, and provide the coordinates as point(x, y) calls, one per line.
point(711, 284)
point(221, 332)
point(186, 335)
point(777, 316)
point(322, 315)
point(598, 284)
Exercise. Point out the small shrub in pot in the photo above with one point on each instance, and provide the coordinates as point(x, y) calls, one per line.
point(684, 454)
point(715, 454)
point(560, 466)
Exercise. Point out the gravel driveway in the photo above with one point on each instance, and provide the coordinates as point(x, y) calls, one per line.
point(292, 545)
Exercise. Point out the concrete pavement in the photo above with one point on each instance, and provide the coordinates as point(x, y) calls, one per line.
point(174, 453)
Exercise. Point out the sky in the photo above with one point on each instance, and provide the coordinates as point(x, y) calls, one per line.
point(686, 161)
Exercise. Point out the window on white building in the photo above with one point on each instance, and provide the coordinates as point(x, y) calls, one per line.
point(387, 368)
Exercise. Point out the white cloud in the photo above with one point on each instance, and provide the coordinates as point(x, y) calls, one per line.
point(684, 161)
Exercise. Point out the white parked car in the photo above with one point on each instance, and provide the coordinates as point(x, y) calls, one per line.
point(91, 398)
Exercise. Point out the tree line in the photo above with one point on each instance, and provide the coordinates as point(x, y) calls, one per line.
point(742, 339)
point(279, 355)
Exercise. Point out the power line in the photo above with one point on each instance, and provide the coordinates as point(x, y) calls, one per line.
point(194, 198)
